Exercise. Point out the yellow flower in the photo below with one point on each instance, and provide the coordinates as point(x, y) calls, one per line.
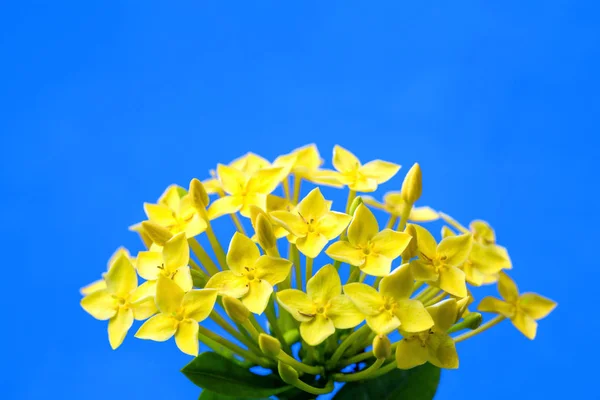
point(323, 308)
point(393, 204)
point(248, 163)
point(434, 344)
point(391, 307)
point(372, 251)
point(244, 190)
point(115, 302)
point(312, 223)
point(523, 310)
point(274, 203)
point(305, 163)
point(438, 264)
point(176, 212)
point(358, 177)
point(484, 261)
point(252, 276)
point(101, 283)
point(180, 314)
point(172, 263)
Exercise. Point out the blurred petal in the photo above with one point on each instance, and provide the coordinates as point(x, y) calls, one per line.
point(343, 313)
point(380, 171)
point(143, 292)
point(225, 205)
point(333, 224)
point(93, 287)
point(423, 214)
point(536, 306)
point(363, 226)
point(525, 324)
point(118, 326)
point(265, 180)
point(315, 331)
point(232, 180)
point(144, 309)
point(160, 214)
point(159, 328)
point(494, 305)
point(454, 250)
point(344, 160)
point(195, 225)
point(507, 288)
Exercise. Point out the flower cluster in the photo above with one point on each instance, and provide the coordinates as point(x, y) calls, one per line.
point(399, 281)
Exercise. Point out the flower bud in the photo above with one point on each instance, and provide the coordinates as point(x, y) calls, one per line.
point(412, 187)
point(473, 320)
point(412, 250)
point(288, 374)
point(269, 345)
point(264, 232)
point(198, 194)
point(235, 309)
point(157, 233)
point(198, 280)
point(382, 348)
point(355, 203)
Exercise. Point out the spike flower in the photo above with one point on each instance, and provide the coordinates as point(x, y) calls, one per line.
point(264, 298)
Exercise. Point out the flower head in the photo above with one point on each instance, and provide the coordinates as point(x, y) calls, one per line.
point(391, 307)
point(115, 302)
point(368, 248)
point(312, 223)
point(251, 277)
point(523, 310)
point(179, 316)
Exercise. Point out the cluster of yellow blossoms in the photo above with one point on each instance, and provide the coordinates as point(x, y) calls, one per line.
point(424, 298)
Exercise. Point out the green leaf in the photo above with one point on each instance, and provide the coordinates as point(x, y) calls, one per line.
point(208, 395)
point(419, 383)
point(217, 374)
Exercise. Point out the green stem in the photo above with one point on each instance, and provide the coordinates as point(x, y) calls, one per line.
point(238, 223)
point(200, 270)
point(297, 185)
point(391, 222)
point(275, 328)
point(223, 351)
point(299, 366)
point(286, 188)
point(263, 362)
point(351, 196)
point(433, 293)
point(297, 269)
point(364, 374)
point(377, 281)
point(354, 274)
point(406, 208)
point(203, 256)
point(309, 268)
point(237, 335)
point(487, 325)
point(436, 299)
point(217, 248)
point(346, 343)
point(314, 390)
point(384, 370)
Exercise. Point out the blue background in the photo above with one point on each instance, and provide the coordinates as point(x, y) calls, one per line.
point(102, 105)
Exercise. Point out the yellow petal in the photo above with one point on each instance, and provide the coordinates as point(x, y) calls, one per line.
point(482, 232)
point(120, 251)
point(488, 258)
point(366, 298)
point(455, 249)
point(473, 275)
point(121, 278)
point(186, 337)
point(413, 316)
point(195, 225)
point(324, 285)
point(399, 284)
point(410, 353)
point(383, 323)
point(242, 253)
point(176, 253)
point(149, 264)
point(333, 224)
point(159, 328)
point(315, 331)
point(507, 288)
point(118, 326)
point(292, 222)
point(168, 295)
point(308, 157)
point(370, 201)
point(100, 305)
point(257, 298)
point(494, 305)
point(536, 306)
point(344, 160)
point(343, 251)
point(225, 205)
point(212, 186)
point(525, 324)
point(359, 183)
point(423, 271)
point(171, 196)
point(423, 214)
point(363, 227)
point(313, 206)
point(312, 244)
point(323, 177)
point(198, 304)
point(183, 278)
point(144, 309)
point(443, 314)
point(442, 351)
point(160, 214)
point(93, 287)
point(144, 291)
point(297, 303)
point(228, 283)
point(250, 163)
point(253, 199)
point(425, 241)
point(343, 313)
point(376, 265)
point(390, 243)
point(380, 171)
point(452, 281)
point(446, 232)
point(265, 180)
point(232, 180)
point(272, 269)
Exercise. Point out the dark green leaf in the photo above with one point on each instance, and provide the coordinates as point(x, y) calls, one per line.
point(208, 395)
point(419, 383)
point(220, 375)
